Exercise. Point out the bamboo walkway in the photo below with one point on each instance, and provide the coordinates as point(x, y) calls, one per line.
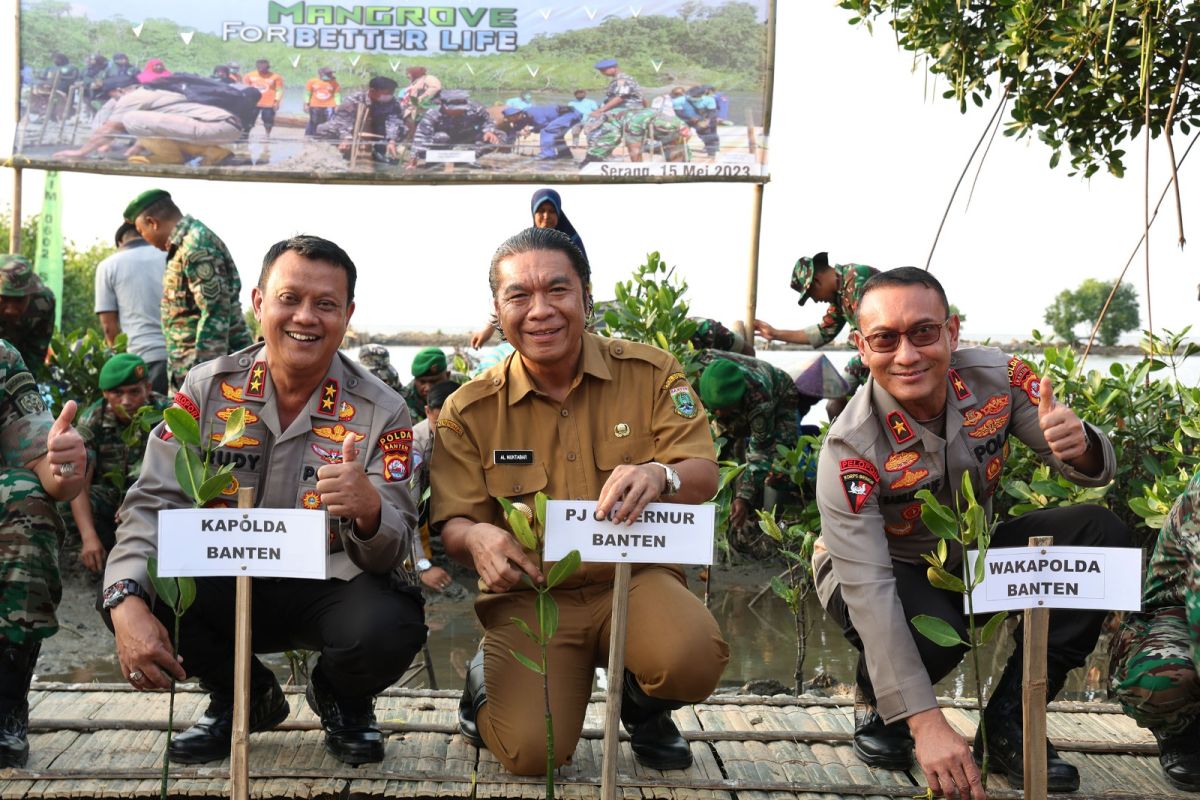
point(105, 741)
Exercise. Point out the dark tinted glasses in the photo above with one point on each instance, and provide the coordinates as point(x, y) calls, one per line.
point(922, 335)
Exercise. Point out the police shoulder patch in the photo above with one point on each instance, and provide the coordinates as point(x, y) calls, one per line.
point(859, 478)
point(450, 425)
point(188, 405)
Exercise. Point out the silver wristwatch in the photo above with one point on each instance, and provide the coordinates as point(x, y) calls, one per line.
point(672, 485)
point(423, 565)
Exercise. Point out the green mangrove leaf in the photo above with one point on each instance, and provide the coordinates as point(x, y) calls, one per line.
point(968, 491)
point(563, 569)
point(943, 550)
point(520, 528)
point(937, 630)
point(993, 625)
point(768, 525)
point(547, 611)
point(190, 473)
point(524, 628)
point(539, 505)
point(940, 526)
point(505, 504)
point(183, 425)
point(187, 593)
point(165, 588)
point(235, 426)
point(214, 486)
point(941, 579)
point(528, 662)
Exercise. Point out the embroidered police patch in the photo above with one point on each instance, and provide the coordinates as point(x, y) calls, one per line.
point(898, 425)
point(327, 403)
point(396, 445)
point(897, 462)
point(188, 405)
point(256, 384)
point(859, 478)
point(681, 398)
point(910, 478)
point(960, 389)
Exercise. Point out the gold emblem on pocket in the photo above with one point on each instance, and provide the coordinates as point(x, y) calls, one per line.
point(621, 430)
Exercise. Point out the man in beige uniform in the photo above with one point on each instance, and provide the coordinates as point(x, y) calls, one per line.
point(575, 416)
point(928, 414)
point(321, 432)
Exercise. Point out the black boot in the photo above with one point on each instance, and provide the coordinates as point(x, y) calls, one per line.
point(16, 671)
point(886, 746)
point(473, 697)
point(655, 739)
point(1179, 754)
point(212, 735)
point(1005, 732)
point(351, 733)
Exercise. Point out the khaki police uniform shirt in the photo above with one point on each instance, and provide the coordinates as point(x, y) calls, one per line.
point(498, 436)
point(874, 461)
point(281, 465)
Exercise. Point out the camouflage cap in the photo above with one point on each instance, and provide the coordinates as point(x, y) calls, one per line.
point(17, 278)
point(144, 201)
point(804, 272)
point(373, 355)
point(122, 369)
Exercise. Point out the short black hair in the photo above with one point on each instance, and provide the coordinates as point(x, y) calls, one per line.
point(438, 394)
point(382, 83)
point(123, 231)
point(905, 276)
point(542, 239)
point(163, 208)
point(314, 248)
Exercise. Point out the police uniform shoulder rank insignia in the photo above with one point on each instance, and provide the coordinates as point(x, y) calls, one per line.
point(960, 389)
point(859, 478)
point(681, 398)
point(898, 425)
point(396, 445)
point(256, 383)
point(327, 403)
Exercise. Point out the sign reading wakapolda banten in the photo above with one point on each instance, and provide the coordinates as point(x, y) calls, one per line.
point(1059, 577)
point(664, 533)
point(258, 542)
point(293, 90)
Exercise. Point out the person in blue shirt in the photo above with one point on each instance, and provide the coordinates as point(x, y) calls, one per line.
point(524, 101)
point(699, 110)
point(552, 122)
point(584, 105)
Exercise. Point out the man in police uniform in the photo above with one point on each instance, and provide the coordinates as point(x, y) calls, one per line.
point(1154, 657)
point(839, 285)
point(26, 311)
point(41, 460)
point(113, 464)
point(576, 416)
point(928, 414)
point(201, 310)
point(321, 432)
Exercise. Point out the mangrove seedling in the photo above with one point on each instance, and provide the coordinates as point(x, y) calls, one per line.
point(796, 546)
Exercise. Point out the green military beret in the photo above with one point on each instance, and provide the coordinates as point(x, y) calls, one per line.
point(17, 278)
point(722, 385)
point(122, 369)
point(804, 272)
point(429, 361)
point(144, 201)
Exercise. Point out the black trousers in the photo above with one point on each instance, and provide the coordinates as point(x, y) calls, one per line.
point(1073, 633)
point(367, 630)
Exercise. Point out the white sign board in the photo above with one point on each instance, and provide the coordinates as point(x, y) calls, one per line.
point(450, 156)
point(665, 533)
point(259, 542)
point(1059, 577)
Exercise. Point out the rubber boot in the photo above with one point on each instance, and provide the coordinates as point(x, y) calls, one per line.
point(1179, 754)
point(886, 746)
point(473, 697)
point(16, 672)
point(1005, 732)
point(655, 740)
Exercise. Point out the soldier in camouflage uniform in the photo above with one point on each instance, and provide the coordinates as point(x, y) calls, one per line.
point(839, 285)
point(755, 402)
point(201, 312)
point(456, 120)
point(41, 460)
point(382, 127)
point(712, 335)
point(375, 358)
point(635, 128)
point(429, 368)
point(114, 465)
point(26, 310)
point(1156, 653)
point(623, 94)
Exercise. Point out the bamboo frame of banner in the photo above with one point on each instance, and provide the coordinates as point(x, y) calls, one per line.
point(14, 235)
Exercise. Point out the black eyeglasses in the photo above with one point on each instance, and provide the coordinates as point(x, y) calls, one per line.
point(921, 336)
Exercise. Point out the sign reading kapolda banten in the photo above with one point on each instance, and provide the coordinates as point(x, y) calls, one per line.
point(259, 542)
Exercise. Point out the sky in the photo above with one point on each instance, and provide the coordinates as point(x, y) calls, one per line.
point(864, 153)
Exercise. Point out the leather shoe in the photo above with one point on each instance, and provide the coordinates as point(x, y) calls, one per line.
point(351, 733)
point(655, 740)
point(473, 697)
point(211, 737)
point(1179, 755)
point(886, 746)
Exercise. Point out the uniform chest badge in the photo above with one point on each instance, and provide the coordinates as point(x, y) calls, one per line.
point(621, 430)
point(346, 411)
point(231, 393)
point(859, 479)
point(396, 445)
point(910, 478)
point(956, 383)
point(989, 426)
point(898, 425)
point(311, 500)
point(898, 462)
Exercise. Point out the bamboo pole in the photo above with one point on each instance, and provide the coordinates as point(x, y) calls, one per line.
point(239, 765)
point(14, 235)
point(1033, 690)
point(616, 682)
point(49, 106)
point(360, 117)
point(752, 277)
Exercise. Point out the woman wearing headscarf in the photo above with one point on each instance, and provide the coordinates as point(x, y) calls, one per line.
point(546, 208)
point(154, 69)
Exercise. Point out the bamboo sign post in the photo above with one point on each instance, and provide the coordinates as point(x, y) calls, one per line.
point(1033, 691)
point(616, 682)
point(239, 767)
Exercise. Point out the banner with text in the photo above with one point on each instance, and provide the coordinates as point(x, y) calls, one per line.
point(664, 533)
point(1058, 577)
point(313, 92)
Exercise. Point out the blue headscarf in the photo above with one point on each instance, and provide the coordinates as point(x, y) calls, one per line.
point(564, 224)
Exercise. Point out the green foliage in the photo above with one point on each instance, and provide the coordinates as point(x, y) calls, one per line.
point(75, 363)
point(796, 545)
point(650, 308)
point(1080, 73)
point(178, 594)
point(1070, 308)
point(192, 473)
point(727, 476)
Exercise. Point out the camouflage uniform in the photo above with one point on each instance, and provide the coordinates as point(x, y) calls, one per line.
point(712, 335)
point(439, 129)
point(766, 417)
point(416, 403)
point(850, 280)
point(31, 532)
point(1154, 657)
point(625, 86)
point(201, 313)
point(376, 359)
point(639, 126)
point(116, 465)
point(383, 119)
point(31, 333)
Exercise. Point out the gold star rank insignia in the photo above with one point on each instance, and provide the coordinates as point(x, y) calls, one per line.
point(960, 389)
point(328, 403)
point(901, 430)
point(256, 386)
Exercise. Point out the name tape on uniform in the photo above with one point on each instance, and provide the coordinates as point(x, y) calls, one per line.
point(664, 533)
point(1059, 577)
point(259, 542)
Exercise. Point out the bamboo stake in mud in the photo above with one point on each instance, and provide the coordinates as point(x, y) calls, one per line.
point(1033, 691)
point(360, 118)
point(239, 765)
point(616, 683)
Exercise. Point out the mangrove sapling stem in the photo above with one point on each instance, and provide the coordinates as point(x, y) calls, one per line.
point(985, 765)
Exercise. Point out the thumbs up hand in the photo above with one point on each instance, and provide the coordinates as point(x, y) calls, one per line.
point(63, 467)
point(1064, 431)
point(346, 491)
